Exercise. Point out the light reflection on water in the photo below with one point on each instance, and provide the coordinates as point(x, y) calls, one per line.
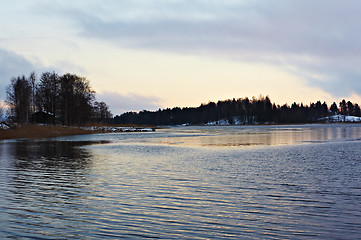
point(195, 182)
point(230, 136)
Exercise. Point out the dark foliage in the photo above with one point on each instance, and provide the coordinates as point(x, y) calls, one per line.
point(241, 111)
point(68, 99)
point(47, 94)
point(101, 112)
point(76, 98)
point(19, 98)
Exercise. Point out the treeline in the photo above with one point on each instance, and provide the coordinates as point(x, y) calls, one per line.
point(240, 111)
point(65, 99)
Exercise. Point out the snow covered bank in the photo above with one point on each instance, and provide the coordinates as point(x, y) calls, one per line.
point(341, 118)
point(235, 121)
point(119, 129)
point(4, 126)
point(330, 119)
point(32, 131)
point(219, 122)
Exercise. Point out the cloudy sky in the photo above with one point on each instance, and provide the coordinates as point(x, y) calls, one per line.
point(164, 53)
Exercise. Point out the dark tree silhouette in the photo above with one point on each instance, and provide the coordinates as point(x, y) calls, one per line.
point(350, 108)
point(76, 97)
point(101, 112)
point(48, 92)
point(19, 98)
point(357, 111)
point(334, 108)
point(241, 111)
point(69, 99)
point(343, 107)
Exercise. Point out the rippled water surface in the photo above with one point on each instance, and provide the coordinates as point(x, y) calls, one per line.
point(260, 182)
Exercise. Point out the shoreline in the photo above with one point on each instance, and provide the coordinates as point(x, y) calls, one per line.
point(35, 131)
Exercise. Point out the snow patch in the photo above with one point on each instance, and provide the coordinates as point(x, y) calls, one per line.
point(4, 126)
point(221, 122)
point(118, 129)
point(341, 118)
point(235, 121)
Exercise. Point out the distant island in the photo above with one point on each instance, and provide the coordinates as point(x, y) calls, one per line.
point(243, 111)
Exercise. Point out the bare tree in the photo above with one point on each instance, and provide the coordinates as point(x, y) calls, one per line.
point(76, 98)
point(48, 91)
point(32, 81)
point(101, 111)
point(18, 98)
point(2, 110)
point(68, 98)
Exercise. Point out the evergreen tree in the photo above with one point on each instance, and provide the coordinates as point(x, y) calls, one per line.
point(350, 108)
point(357, 110)
point(343, 107)
point(252, 111)
point(334, 108)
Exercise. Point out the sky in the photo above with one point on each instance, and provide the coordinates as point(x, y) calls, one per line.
point(150, 54)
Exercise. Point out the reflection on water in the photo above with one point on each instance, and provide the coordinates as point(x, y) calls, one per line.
point(195, 182)
point(43, 155)
point(41, 182)
point(248, 136)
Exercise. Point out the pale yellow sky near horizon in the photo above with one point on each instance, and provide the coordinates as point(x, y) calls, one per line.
point(176, 79)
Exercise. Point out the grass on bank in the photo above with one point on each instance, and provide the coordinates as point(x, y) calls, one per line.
point(41, 131)
point(32, 131)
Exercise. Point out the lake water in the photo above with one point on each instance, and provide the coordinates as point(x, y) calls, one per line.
point(241, 182)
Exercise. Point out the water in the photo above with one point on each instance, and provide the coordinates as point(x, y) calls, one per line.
point(260, 182)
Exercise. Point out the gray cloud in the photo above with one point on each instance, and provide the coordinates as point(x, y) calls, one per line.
point(317, 39)
point(12, 65)
point(119, 103)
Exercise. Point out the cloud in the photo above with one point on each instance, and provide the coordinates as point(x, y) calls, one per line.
point(119, 103)
point(318, 40)
point(12, 65)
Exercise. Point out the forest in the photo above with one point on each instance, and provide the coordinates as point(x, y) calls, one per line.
point(241, 111)
point(54, 99)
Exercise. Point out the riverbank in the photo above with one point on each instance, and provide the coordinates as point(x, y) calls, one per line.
point(33, 131)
